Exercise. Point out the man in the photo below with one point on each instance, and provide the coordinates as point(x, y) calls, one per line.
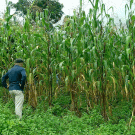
point(17, 78)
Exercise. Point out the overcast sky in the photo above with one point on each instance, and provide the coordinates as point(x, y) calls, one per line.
point(70, 5)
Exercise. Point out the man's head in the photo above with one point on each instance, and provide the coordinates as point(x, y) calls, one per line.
point(19, 62)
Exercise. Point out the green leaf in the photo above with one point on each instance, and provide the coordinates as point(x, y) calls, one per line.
point(128, 40)
point(131, 3)
point(66, 80)
point(45, 23)
point(126, 7)
point(128, 52)
point(28, 66)
point(60, 65)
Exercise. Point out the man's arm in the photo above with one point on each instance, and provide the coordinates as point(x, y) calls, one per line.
point(23, 78)
point(4, 78)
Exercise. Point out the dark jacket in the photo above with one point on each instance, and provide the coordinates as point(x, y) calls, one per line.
point(17, 78)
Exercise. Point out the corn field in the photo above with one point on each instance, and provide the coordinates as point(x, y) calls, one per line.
point(92, 61)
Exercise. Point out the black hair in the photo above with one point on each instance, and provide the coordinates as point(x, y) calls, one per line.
point(19, 61)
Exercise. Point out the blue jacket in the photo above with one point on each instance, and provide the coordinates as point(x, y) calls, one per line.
point(17, 78)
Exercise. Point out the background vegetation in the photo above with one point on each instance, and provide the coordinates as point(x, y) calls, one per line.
point(54, 8)
point(83, 66)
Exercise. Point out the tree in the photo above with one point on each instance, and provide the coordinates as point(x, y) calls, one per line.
point(54, 7)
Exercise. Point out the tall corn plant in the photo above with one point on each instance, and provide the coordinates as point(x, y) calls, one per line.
point(129, 66)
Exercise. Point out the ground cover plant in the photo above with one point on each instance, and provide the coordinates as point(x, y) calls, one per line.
point(47, 122)
point(81, 75)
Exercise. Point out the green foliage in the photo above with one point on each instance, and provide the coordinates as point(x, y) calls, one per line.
point(46, 122)
point(54, 8)
point(122, 111)
point(94, 119)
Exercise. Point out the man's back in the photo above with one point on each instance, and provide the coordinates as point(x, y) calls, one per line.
point(17, 77)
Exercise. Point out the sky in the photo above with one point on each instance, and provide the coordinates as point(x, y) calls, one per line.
point(70, 5)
